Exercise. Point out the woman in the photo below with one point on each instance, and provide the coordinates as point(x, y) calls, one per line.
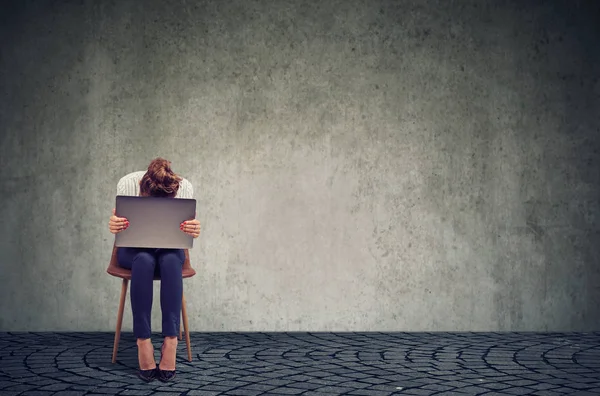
point(158, 181)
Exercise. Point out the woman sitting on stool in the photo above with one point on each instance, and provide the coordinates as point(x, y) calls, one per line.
point(144, 263)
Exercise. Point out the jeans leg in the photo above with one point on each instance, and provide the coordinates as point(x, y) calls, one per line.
point(142, 264)
point(170, 263)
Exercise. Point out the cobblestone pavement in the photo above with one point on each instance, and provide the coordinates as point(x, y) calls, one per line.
point(361, 364)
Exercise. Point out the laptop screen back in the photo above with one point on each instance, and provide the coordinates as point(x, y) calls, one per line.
point(154, 222)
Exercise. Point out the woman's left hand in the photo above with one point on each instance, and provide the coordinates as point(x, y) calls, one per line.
point(191, 227)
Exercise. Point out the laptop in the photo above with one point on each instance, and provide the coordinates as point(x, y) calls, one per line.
point(154, 222)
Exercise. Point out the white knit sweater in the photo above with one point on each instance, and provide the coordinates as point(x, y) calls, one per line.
point(130, 185)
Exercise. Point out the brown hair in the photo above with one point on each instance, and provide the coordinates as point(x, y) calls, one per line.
point(159, 180)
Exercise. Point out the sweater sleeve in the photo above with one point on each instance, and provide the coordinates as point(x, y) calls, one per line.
point(120, 188)
point(127, 185)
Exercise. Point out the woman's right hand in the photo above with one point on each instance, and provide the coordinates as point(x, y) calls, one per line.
point(117, 224)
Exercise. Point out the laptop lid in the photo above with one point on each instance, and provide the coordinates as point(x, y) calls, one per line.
point(154, 222)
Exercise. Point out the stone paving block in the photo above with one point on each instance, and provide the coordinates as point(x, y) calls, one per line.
point(215, 388)
point(317, 374)
point(173, 387)
point(227, 376)
point(395, 377)
point(135, 392)
point(355, 384)
point(277, 374)
point(277, 382)
point(19, 388)
point(304, 385)
point(495, 385)
point(260, 387)
point(479, 380)
point(269, 394)
point(419, 392)
point(88, 388)
point(517, 391)
point(474, 390)
point(299, 377)
point(454, 384)
point(426, 381)
point(374, 381)
point(29, 380)
point(231, 384)
point(437, 387)
point(338, 378)
point(388, 387)
point(197, 392)
point(167, 394)
point(98, 389)
point(251, 378)
point(369, 392)
point(493, 393)
point(335, 389)
point(243, 392)
point(542, 386)
point(17, 372)
point(197, 379)
point(580, 386)
point(55, 387)
point(547, 393)
point(536, 376)
point(5, 384)
point(520, 382)
point(555, 381)
point(288, 391)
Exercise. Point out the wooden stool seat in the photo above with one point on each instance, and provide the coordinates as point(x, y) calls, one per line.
point(115, 270)
point(124, 273)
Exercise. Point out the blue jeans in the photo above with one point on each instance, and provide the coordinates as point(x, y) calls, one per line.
point(144, 265)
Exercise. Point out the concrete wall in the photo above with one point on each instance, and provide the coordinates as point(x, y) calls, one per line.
point(358, 165)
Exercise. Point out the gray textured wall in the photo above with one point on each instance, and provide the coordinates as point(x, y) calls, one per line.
point(358, 165)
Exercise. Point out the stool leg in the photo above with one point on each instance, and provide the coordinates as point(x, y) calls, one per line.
point(181, 327)
point(119, 319)
point(187, 330)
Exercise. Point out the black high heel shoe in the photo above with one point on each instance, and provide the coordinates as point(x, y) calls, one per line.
point(164, 375)
point(148, 375)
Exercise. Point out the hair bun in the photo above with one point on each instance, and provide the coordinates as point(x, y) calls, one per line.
point(160, 180)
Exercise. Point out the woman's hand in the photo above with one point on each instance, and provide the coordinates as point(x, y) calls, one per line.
point(117, 224)
point(191, 227)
